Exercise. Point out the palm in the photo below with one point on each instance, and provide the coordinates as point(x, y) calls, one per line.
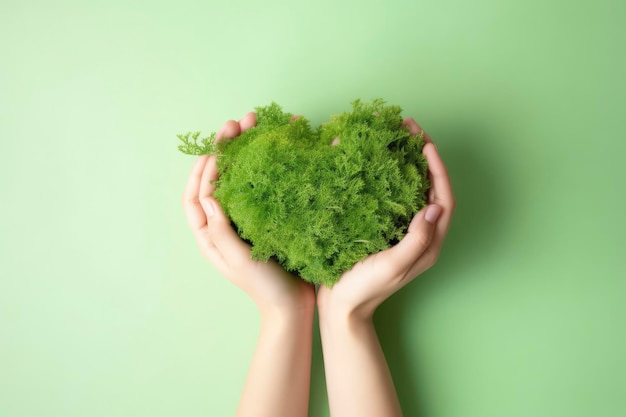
point(367, 283)
point(274, 285)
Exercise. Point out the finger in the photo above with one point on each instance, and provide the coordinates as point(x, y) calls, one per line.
point(248, 121)
point(442, 189)
point(419, 235)
point(209, 176)
point(210, 251)
point(426, 260)
point(196, 217)
point(219, 231)
point(412, 125)
point(441, 193)
point(190, 200)
point(415, 129)
point(230, 130)
point(233, 250)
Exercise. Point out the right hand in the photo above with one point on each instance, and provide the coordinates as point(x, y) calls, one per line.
point(371, 281)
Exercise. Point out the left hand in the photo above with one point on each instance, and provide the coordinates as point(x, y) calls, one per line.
point(267, 283)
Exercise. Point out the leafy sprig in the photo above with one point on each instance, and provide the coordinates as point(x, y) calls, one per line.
point(190, 144)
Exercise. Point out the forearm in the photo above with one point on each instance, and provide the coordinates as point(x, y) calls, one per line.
point(357, 376)
point(279, 377)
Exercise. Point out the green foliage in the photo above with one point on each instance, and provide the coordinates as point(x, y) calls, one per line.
point(315, 208)
point(206, 147)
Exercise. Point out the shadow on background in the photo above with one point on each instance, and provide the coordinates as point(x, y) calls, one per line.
point(479, 209)
point(318, 402)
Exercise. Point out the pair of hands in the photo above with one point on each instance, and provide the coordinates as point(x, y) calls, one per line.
point(360, 290)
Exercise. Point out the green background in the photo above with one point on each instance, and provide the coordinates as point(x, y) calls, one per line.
point(107, 307)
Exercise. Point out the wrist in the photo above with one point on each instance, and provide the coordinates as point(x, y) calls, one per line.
point(344, 309)
point(287, 313)
point(296, 302)
point(345, 316)
point(340, 330)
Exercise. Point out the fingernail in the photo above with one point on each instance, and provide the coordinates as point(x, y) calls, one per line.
point(432, 213)
point(208, 207)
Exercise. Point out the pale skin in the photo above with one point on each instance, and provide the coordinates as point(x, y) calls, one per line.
point(358, 379)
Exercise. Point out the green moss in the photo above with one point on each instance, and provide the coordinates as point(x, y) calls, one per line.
point(316, 208)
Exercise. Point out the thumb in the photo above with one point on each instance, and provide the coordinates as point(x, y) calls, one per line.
point(234, 250)
point(417, 239)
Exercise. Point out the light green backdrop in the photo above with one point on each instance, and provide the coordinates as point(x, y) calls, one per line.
point(107, 307)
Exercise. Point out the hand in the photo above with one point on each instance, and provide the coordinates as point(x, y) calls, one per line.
point(269, 285)
point(371, 281)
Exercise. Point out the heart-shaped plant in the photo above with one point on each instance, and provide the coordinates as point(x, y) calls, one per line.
point(319, 201)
